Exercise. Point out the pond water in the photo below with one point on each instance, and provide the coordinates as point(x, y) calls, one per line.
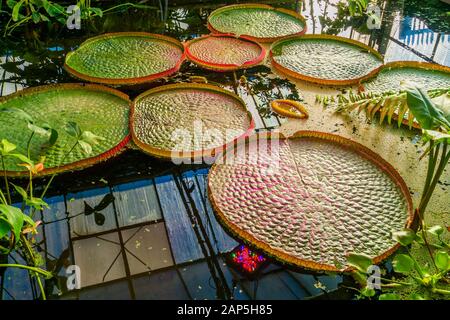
point(160, 238)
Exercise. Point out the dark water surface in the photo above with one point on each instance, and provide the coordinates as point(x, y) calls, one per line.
point(160, 238)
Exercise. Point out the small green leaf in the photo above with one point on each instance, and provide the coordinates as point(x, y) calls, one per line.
point(404, 237)
point(44, 17)
point(442, 260)
point(6, 147)
point(403, 263)
point(96, 11)
point(21, 191)
point(73, 129)
point(14, 217)
point(16, 10)
point(28, 220)
point(389, 296)
point(4, 228)
point(86, 147)
point(90, 138)
point(416, 296)
point(37, 203)
point(11, 3)
point(36, 17)
point(436, 230)
point(368, 292)
point(22, 158)
point(359, 261)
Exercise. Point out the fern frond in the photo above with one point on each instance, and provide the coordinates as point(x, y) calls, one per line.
point(388, 105)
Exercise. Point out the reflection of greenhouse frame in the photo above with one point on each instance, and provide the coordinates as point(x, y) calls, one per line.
point(290, 13)
point(127, 81)
point(223, 66)
point(89, 161)
point(309, 264)
point(316, 80)
point(180, 155)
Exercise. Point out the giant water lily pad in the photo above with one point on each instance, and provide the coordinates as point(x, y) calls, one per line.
point(259, 22)
point(125, 58)
point(428, 76)
point(185, 121)
point(325, 59)
point(311, 200)
point(100, 110)
point(224, 52)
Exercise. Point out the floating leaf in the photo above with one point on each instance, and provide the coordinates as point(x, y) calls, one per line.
point(259, 22)
point(103, 111)
point(166, 120)
point(224, 52)
point(342, 61)
point(282, 197)
point(113, 59)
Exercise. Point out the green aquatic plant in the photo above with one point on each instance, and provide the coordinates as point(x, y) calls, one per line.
point(308, 186)
point(23, 12)
point(342, 61)
point(101, 110)
point(388, 105)
point(259, 22)
point(17, 225)
point(427, 278)
point(420, 271)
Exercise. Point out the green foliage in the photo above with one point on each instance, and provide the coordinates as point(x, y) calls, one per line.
point(403, 263)
point(421, 280)
point(404, 237)
point(357, 7)
point(389, 296)
point(430, 109)
point(17, 228)
point(359, 261)
point(23, 12)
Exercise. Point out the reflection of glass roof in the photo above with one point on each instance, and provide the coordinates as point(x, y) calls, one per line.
point(150, 236)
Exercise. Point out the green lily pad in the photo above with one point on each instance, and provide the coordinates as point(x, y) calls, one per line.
point(310, 200)
point(186, 121)
point(427, 76)
point(325, 59)
point(125, 58)
point(224, 53)
point(260, 22)
point(100, 110)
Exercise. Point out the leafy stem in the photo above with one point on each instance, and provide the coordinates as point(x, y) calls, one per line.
point(8, 193)
point(44, 273)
